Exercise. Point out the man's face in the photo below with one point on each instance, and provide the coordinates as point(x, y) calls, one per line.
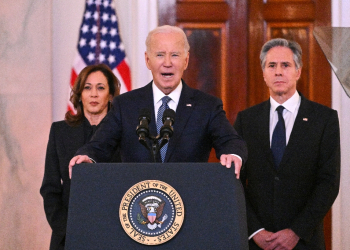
point(167, 60)
point(280, 73)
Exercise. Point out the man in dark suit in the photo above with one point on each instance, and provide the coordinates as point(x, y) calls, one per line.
point(200, 121)
point(291, 178)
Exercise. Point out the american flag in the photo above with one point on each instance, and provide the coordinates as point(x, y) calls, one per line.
point(99, 42)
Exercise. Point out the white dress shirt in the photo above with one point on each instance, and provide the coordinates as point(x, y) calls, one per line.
point(291, 108)
point(158, 95)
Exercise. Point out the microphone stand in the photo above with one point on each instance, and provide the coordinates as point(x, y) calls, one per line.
point(155, 146)
point(166, 132)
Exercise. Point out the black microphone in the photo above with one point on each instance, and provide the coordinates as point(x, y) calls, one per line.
point(142, 129)
point(166, 131)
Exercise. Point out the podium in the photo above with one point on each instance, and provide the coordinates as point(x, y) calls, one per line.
point(213, 199)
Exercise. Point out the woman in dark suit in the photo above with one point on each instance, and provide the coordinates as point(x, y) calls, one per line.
point(91, 96)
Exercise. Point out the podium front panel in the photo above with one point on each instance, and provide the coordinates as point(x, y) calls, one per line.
point(214, 203)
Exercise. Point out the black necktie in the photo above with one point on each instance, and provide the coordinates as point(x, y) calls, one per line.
point(278, 143)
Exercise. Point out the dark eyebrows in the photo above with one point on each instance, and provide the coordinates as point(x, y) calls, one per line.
point(98, 84)
point(284, 63)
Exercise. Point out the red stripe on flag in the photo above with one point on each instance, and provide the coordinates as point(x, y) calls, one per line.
point(73, 77)
point(72, 111)
point(124, 71)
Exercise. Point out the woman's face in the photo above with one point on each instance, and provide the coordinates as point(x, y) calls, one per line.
point(95, 95)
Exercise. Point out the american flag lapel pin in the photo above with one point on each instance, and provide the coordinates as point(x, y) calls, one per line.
point(305, 119)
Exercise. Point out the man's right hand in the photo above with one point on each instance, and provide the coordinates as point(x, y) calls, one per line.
point(260, 238)
point(77, 160)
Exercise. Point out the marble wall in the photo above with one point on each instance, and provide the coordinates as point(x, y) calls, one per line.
point(25, 118)
point(37, 48)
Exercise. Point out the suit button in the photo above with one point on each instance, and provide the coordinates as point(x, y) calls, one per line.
point(276, 178)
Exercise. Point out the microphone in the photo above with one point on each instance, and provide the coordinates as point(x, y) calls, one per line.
point(166, 131)
point(142, 129)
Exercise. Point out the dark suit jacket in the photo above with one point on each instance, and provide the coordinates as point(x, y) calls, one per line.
point(64, 141)
point(301, 191)
point(200, 124)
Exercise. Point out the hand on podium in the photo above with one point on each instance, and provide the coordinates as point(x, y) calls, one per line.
point(77, 160)
point(226, 160)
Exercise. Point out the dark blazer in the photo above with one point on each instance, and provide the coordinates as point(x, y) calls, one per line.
point(64, 141)
point(200, 124)
point(301, 191)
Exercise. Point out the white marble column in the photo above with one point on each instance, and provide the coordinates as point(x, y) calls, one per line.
point(341, 102)
point(25, 118)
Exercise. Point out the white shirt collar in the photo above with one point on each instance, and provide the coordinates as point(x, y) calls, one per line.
point(174, 95)
point(291, 104)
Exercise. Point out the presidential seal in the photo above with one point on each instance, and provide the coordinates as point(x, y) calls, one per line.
point(151, 212)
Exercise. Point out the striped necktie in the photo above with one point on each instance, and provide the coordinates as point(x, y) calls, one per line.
point(161, 110)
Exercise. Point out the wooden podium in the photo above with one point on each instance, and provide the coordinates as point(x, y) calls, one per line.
point(213, 199)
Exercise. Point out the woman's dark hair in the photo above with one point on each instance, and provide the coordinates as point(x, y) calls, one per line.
point(79, 84)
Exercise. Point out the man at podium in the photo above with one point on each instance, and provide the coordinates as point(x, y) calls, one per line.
point(200, 123)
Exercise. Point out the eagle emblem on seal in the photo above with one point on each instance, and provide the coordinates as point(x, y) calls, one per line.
point(151, 209)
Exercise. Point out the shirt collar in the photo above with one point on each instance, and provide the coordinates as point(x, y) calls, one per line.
point(174, 95)
point(291, 104)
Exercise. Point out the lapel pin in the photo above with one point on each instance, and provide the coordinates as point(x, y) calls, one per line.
point(189, 105)
point(305, 119)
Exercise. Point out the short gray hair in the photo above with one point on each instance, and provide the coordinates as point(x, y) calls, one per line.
point(281, 42)
point(167, 29)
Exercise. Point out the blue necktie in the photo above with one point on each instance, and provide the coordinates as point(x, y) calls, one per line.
point(278, 143)
point(161, 110)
